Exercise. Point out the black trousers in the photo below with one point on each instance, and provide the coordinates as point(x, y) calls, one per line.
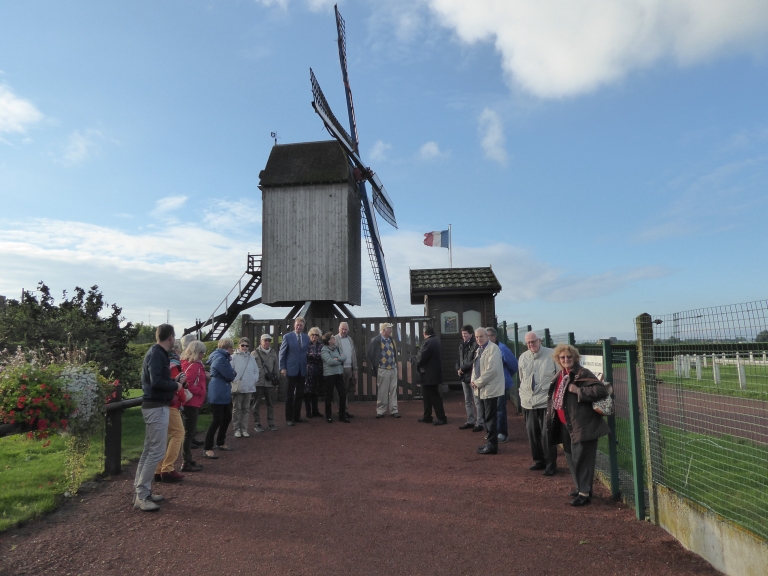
point(310, 404)
point(335, 382)
point(432, 399)
point(222, 416)
point(190, 415)
point(294, 397)
point(581, 458)
point(490, 406)
point(542, 451)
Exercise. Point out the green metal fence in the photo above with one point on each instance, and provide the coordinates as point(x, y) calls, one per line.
point(705, 385)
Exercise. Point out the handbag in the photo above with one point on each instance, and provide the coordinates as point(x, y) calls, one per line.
point(235, 386)
point(187, 395)
point(604, 407)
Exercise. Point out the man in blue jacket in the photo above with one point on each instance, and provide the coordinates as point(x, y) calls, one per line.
point(510, 369)
point(159, 389)
point(293, 364)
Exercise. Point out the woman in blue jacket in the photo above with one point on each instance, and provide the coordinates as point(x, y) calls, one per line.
point(220, 396)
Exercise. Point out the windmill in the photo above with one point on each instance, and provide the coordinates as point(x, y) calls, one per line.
point(315, 204)
point(362, 173)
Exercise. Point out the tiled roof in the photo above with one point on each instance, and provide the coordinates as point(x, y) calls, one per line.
point(305, 163)
point(452, 280)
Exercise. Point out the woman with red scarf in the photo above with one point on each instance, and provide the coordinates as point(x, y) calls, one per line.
point(572, 421)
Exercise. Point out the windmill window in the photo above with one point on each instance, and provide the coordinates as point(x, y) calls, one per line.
point(473, 318)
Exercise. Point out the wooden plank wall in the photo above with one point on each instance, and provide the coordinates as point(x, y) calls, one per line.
point(407, 331)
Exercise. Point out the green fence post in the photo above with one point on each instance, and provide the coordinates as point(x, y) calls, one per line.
point(547, 338)
point(504, 327)
point(635, 435)
point(649, 396)
point(571, 339)
point(613, 453)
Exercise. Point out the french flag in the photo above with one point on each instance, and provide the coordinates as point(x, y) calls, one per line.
point(437, 239)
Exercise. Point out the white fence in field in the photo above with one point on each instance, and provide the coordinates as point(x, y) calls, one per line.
point(684, 363)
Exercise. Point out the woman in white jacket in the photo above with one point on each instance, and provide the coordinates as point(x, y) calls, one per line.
point(243, 387)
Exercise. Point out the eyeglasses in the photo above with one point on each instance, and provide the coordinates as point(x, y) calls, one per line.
point(565, 357)
point(532, 342)
point(244, 346)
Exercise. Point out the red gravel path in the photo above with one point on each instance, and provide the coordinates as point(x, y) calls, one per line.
point(373, 497)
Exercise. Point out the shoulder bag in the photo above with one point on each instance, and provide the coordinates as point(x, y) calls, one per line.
point(604, 407)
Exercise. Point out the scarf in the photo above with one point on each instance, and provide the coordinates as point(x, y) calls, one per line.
point(557, 402)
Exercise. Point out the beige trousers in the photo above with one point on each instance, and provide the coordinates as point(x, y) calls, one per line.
point(175, 442)
point(386, 391)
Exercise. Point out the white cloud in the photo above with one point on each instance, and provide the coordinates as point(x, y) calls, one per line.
point(16, 113)
point(281, 3)
point(314, 5)
point(379, 150)
point(553, 49)
point(431, 151)
point(81, 147)
point(166, 205)
point(189, 268)
point(710, 202)
point(226, 215)
point(492, 136)
point(523, 278)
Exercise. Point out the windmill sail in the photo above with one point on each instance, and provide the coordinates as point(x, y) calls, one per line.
point(381, 201)
point(349, 141)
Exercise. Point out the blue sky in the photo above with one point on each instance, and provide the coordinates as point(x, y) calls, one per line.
point(607, 159)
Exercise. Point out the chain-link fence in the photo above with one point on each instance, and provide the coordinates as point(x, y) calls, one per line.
point(705, 377)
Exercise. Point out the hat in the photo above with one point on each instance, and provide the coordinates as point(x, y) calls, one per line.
point(385, 325)
point(266, 337)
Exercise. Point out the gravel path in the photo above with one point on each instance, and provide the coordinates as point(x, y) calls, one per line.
point(387, 496)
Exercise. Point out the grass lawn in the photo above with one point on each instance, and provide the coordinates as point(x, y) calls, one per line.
point(757, 381)
point(32, 477)
point(726, 474)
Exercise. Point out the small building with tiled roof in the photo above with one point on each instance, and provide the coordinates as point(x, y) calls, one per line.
point(454, 297)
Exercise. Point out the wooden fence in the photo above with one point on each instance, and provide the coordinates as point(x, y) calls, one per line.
point(407, 332)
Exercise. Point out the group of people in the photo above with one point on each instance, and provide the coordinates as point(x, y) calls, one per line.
point(556, 394)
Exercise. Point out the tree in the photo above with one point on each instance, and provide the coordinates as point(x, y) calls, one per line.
point(762, 336)
point(236, 330)
point(145, 333)
point(39, 324)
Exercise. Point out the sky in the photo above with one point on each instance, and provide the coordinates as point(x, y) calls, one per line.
point(605, 158)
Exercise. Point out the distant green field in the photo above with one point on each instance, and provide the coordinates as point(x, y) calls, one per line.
point(756, 375)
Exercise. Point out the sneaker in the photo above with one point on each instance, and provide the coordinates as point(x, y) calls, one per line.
point(258, 429)
point(159, 497)
point(503, 438)
point(245, 434)
point(145, 505)
point(273, 427)
point(237, 434)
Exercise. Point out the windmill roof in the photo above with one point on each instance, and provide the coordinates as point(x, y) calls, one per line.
point(305, 163)
point(452, 281)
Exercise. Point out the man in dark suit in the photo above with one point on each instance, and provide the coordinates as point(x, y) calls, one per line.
point(429, 364)
point(293, 364)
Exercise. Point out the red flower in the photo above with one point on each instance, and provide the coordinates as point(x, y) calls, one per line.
point(23, 387)
point(42, 386)
point(36, 400)
point(30, 434)
point(63, 422)
point(42, 424)
point(48, 443)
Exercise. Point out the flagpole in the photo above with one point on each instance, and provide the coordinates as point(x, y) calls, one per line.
point(450, 246)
